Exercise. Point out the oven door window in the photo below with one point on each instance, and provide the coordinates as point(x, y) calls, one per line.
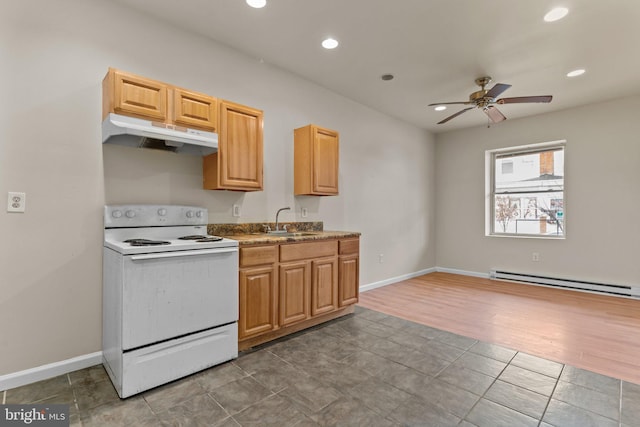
point(169, 294)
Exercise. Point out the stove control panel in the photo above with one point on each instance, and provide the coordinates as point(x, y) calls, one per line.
point(120, 216)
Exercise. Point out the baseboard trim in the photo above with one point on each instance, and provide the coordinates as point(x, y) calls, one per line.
point(39, 373)
point(462, 272)
point(396, 279)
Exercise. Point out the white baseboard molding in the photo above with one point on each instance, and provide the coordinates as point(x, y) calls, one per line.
point(396, 279)
point(39, 373)
point(462, 272)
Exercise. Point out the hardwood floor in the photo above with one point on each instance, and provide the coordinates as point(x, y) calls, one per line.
point(594, 332)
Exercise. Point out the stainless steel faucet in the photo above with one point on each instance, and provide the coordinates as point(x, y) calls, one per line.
point(278, 213)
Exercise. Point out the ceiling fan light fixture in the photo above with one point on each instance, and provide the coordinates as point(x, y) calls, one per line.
point(576, 73)
point(257, 4)
point(440, 108)
point(330, 43)
point(556, 14)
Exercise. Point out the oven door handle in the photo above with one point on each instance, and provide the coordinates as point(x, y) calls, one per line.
point(183, 253)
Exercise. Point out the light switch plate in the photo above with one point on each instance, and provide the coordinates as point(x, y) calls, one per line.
point(16, 202)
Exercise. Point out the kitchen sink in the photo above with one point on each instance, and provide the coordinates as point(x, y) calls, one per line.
point(291, 234)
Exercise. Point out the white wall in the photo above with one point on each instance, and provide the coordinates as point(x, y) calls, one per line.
point(54, 56)
point(602, 172)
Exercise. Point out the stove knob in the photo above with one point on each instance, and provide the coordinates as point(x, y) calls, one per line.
point(130, 214)
point(162, 211)
point(116, 214)
point(189, 214)
point(199, 214)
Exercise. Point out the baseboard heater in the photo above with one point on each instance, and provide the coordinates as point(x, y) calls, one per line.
point(578, 285)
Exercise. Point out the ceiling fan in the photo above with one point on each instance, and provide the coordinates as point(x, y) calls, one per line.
point(486, 99)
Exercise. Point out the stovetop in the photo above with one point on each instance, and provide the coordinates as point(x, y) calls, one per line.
point(138, 229)
point(163, 239)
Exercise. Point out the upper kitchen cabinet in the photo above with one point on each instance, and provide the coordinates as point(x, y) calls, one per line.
point(315, 168)
point(238, 163)
point(195, 110)
point(136, 96)
point(132, 95)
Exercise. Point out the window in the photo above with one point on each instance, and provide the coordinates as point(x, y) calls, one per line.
point(525, 191)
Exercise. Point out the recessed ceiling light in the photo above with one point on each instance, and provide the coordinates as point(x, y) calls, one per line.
point(556, 14)
point(330, 43)
point(576, 73)
point(440, 108)
point(257, 3)
point(387, 77)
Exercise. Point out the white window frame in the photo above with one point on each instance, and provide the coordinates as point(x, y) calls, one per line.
point(490, 157)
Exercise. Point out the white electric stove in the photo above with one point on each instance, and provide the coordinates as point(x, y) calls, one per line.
point(170, 295)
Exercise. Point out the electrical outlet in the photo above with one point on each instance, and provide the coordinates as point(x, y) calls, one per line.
point(535, 257)
point(381, 258)
point(16, 202)
point(236, 210)
point(304, 212)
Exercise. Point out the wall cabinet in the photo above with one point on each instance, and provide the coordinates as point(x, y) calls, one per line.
point(315, 156)
point(194, 110)
point(286, 288)
point(132, 95)
point(238, 163)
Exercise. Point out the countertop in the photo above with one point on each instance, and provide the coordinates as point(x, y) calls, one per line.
point(253, 233)
point(263, 239)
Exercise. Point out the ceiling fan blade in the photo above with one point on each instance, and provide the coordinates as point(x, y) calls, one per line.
point(523, 99)
point(494, 114)
point(455, 115)
point(497, 89)
point(449, 103)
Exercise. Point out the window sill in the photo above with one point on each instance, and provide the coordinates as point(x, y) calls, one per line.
point(528, 236)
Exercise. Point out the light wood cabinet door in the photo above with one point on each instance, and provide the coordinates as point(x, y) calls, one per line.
point(316, 161)
point(348, 279)
point(324, 286)
point(294, 279)
point(238, 163)
point(195, 110)
point(257, 301)
point(132, 95)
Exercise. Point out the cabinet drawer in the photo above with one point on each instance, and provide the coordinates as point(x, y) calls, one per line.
point(351, 246)
point(258, 256)
point(299, 251)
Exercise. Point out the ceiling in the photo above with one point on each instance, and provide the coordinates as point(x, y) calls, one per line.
point(434, 48)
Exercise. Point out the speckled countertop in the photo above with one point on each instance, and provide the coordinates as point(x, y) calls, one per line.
point(254, 233)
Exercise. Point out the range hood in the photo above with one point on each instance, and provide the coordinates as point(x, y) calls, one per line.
point(133, 132)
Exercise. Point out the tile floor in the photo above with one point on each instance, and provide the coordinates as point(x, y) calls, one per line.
point(366, 369)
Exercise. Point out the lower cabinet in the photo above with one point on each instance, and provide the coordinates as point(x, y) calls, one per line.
point(294, 292)
point(286, 288)
point(258, 291)
point(348, 272)
point(324, 286)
